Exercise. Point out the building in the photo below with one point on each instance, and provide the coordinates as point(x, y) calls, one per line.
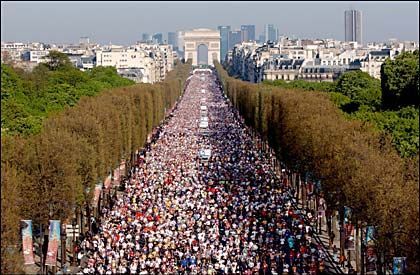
point(261, 38)
point(157, 38)
point(88, 62)
point(281, 68)
point(152, 60)
point(172, 39)
point(224, 40)
point(135, 74)
point(37, 55)
point(373, 62)
point(146, 37)
point(353, 26)
point(196, 40)
point(235, 37)
point(270, 32)
point(248, 33)
point(319, 73)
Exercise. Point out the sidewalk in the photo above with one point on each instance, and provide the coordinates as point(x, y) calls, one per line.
point(36, 268)
point(323, 239)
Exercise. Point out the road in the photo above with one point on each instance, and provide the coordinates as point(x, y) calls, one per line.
point(226, 212)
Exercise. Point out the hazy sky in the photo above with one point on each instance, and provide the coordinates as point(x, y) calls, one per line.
point(124, 22)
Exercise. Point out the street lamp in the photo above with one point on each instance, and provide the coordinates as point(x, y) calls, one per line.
point(87, 190)
point(74, 223)
point(63, 246)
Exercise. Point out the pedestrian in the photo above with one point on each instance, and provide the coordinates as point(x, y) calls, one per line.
point(342, 260)
point(332, 237)
point(335, 254)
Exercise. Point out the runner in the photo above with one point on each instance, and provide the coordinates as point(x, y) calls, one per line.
point(220, 214)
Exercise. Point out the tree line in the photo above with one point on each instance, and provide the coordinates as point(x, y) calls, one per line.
point(358, 167)
point(27, 98)
point(74, 150)
point(390, 104)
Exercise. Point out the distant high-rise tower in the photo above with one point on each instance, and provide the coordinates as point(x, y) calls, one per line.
point(248, 32)
point(157, 38)
point(270, 32)
point(224, 40)
point(261, 38)
point(172, 39)
point(146, 37)
point(353, 26)
point(235, 37)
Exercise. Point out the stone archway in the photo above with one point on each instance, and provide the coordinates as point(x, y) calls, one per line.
point(196, 37)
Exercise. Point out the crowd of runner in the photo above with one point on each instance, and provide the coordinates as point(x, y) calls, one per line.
point(180, 214)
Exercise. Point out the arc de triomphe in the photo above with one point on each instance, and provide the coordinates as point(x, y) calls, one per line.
point(193, 39)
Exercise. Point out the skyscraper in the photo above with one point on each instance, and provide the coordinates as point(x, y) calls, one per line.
point(158, 38)
point(180, 41)
point(235, 37)
point(261, 38)
point(270, 32)
point(224, 40)
point(172, 39)
point(353, 26)
point(248, 32)
point(146, 37)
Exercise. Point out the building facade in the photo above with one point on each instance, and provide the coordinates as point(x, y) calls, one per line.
point(353, 26)
point(270, 32)
point(248, 33)
point(194, 38)
point(172, 39)
point(235, 37)
point(224, 40)
point(157, 38)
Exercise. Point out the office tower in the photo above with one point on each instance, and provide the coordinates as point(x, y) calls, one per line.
point(172, 39)
point(224, 40)
point(146, 37)
point(353, 26)
point(180, 41)
point(261, 38)
point(270, 32)
point(158, 38)
point(248, 32)
point(235, 37)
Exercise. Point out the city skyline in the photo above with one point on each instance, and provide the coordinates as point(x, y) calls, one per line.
point(131, 19)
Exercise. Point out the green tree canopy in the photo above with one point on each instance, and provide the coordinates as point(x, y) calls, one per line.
point(57, 60)
point(10, 82)
point(361, 88)
point(400, 80)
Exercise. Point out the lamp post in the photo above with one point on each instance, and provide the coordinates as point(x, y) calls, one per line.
point(44, 249)
point(87, 190)
point(63, 246)
point(74, 223)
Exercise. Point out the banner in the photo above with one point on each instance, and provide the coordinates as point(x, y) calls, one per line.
point(370, 235)
point(347, 215)
point(53, 242)
point(399, 265)
point(371, 257)
point(28, 251)
point(349, 236)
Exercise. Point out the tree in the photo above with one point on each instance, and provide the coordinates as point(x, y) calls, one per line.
point(400, 80)
point(361, 88)
point(57, 60)
point(11, 84)
point(357, 165)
